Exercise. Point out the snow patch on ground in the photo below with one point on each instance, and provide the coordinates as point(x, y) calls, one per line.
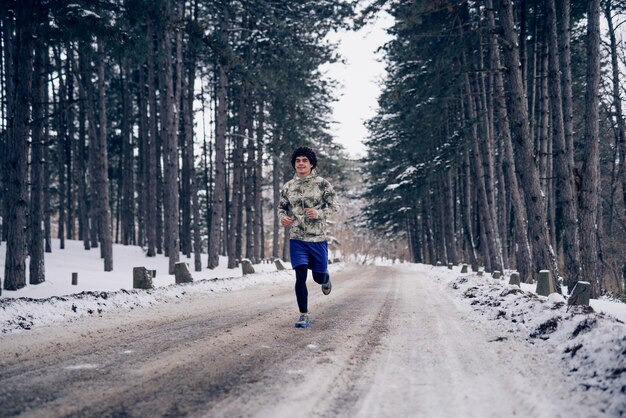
point(19, 314)
point(57, 300)
point(25, 313)
point(589, 345)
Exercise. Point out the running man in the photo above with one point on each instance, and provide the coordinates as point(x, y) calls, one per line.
point(306, 201)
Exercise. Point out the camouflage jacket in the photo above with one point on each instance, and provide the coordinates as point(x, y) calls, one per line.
point(302, 193)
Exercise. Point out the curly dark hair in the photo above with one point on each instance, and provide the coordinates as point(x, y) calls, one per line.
point(304, 152)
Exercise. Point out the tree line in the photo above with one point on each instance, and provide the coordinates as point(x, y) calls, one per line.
point(500, 138)
point(157, 123)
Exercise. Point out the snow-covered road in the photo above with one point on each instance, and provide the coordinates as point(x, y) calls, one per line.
point(387, 342)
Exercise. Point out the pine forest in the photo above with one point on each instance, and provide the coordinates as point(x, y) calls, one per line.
point(499, 139)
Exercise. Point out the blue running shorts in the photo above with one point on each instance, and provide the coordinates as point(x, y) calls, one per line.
point(312, 254)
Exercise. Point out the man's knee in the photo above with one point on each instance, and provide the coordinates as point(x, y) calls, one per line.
point(319, 278)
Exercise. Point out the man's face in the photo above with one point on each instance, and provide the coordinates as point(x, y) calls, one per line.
point(303, 166)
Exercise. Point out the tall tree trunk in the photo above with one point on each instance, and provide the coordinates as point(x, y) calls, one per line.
point(524, 252)
point(486, 156)
point(188, 115)
point(153, 143)
point(47, 209)
point(410, 238)
point(259, 241)
point(251, 191)
point(207, 151)
point(176, 105)
point(437, 212)
point(166, 91)
point(428, 228)
point(534, 83)
point(620, 123)
point(128, 166)
point(81, 167)
point(492, 259)
point(590, 175)
point(86, 70)
point(503, 206)
point(37, 272)
point(218, 200)
point(60, 150)
point(169, 130)
point(565, 54)
point(189, 138)
point(144, 144)
point(7, 66)
point(418, 246)
point(544, 145)
point(17, 146)
point(236, 210)
point(523, 47)
point(523, 147)
point(69, 150)
point(449, 218)
point(105, 231)
point(262, 235)
point(186, 151)
point(567, 226)
point(466, 217)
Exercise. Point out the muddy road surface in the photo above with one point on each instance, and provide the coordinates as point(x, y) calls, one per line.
point(385, 343)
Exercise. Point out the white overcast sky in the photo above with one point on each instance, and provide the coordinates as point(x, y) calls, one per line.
point(359, 79)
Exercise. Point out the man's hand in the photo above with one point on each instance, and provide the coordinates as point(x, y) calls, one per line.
point(311, 213)
point(286, 221)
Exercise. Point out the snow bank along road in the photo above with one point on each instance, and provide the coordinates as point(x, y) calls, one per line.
point(385, 343)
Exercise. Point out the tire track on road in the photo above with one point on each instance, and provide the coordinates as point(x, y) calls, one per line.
point(354, 378)
point(195, 361)
point(330, 376)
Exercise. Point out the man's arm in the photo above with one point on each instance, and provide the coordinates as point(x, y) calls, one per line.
point(284, 207)
point(329, 204)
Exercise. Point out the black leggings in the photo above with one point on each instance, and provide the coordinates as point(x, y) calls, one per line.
point(302, 293)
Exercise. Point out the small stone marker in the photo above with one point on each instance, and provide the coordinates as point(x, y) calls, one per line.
point(279, 264)
point(182, 273)
point(142, 279)
point(479, 272)
point(450, 266)
point(545, 285)
point(74, 278)
point(439, 264)
point(496, 274)
point(515, 280)
point(464, 268)
point(580, 294)
point(153, 273)
point(246, 266)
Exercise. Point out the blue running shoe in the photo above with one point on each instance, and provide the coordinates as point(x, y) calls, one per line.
point(303, 322)
point(327, 286)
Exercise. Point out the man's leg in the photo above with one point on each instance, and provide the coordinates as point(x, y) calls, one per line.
point(320, 278)
point(319, 264)
point(324, 280)
point(302, 293)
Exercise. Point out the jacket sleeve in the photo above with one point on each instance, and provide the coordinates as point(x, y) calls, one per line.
point(329, 204)
point(284, 207)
